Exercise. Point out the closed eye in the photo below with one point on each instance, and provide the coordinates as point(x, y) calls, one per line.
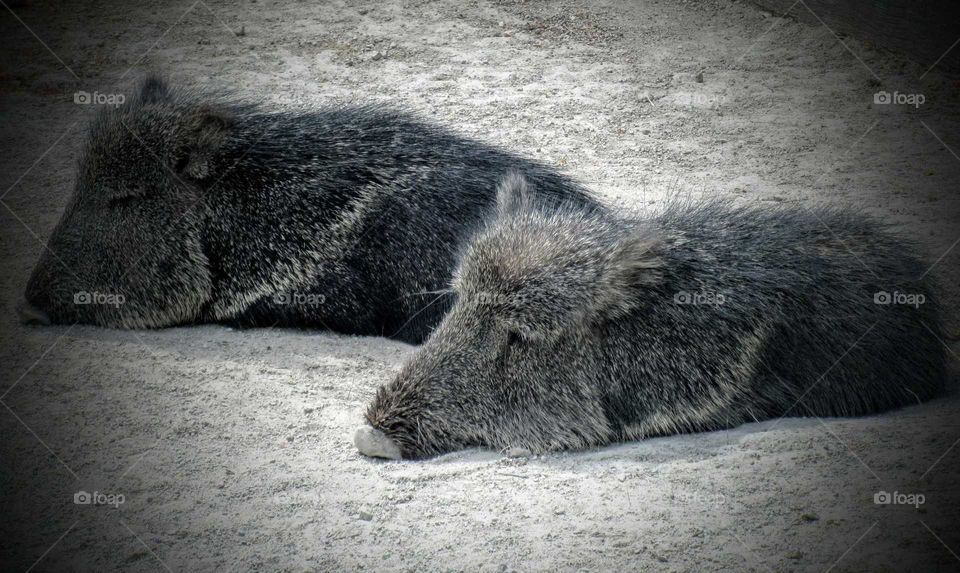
point(122, 200)
point(513, 341)
point(127, 195)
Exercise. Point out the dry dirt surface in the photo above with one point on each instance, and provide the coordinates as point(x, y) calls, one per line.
point(230, 450)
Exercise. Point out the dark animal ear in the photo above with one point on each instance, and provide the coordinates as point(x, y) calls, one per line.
point(634, 261)
point(154, 89)
point(513, 193)
point(199, 139)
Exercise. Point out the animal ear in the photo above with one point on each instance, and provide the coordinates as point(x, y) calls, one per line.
point(634, 261)
point(513, 193)
point(154, 89)
point(199, 139)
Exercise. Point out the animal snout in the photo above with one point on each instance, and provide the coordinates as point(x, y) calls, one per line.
point(375, 444)
point(30, 314)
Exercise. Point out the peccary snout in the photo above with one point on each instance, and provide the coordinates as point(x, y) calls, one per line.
point(573, 329)
point(374, 443)
point(28, 314)
point(463, 391)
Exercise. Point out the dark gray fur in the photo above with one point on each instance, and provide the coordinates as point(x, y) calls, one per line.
point(569, 332)
point(196, 208)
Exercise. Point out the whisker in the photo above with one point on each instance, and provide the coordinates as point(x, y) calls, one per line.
point(441, 291)
point(415, 315)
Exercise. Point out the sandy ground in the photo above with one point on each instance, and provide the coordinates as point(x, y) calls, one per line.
point(231, 449)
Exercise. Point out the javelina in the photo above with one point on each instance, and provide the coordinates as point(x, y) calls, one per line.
point(190, 209)
point(575, 329)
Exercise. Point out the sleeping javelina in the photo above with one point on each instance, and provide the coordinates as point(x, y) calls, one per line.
point(190, 208)
point(574, 329)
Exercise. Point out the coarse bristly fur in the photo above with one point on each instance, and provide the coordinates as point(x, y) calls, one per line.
point(574, 329)
point(193, 208)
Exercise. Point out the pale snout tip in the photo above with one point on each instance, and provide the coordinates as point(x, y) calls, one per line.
point(375, 444)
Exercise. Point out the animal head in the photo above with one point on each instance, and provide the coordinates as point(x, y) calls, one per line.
point(128, 250)
point(533, 290)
